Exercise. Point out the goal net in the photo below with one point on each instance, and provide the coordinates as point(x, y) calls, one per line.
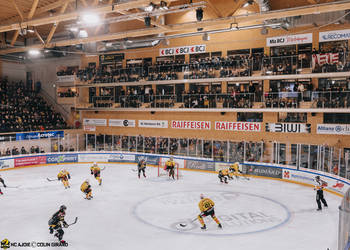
point(344, 223)
point(161, 167)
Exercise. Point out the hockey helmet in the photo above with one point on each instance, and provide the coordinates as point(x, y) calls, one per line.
point(63, 207)
point(201, 196)
point(317, 177)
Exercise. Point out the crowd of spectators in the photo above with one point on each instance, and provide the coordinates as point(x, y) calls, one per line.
point(16, 151)
point(68, 93)
point(218, 150)
point(22, 109)
point(333, 97)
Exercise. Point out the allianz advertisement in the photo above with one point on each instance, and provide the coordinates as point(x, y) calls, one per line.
point(334, 35)
point(62, 158)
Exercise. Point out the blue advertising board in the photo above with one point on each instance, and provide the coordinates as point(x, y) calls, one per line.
point(62, 158)
point(153, 160)
point(39, 135)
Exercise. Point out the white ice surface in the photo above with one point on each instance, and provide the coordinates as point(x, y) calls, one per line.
point(131, 213)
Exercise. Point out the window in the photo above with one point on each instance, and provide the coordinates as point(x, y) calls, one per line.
point(249, 117)
point(336, 118)
point(292, 117)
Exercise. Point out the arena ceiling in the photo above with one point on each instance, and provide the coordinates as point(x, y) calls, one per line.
point(40, 24)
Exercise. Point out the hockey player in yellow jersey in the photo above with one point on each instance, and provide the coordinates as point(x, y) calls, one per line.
point(64, 176)
point(86, 189)
point(206, 206)
point(96, 171)
point(234, 169)
point(170, 167)
point(224, 174)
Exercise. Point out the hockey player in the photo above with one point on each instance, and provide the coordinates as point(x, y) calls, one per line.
point(170, 167)
point(3, 183)
point(206, 206)
point(224, 174)
point(86, 189)
point(234, 169)
point(57, 221)
point(319, 185)
point(141, 166)
point(64, 176)
point(96, 171)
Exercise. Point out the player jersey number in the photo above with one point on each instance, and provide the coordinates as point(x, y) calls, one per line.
point(207, 205)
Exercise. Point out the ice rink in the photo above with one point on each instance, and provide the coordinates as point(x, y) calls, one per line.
point(131, 213)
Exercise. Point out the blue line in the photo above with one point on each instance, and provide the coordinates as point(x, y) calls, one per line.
point(209, 234)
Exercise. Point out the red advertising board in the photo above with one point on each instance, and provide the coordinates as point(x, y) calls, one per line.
point(199, 125)
point(31, 160)
point(238, 126)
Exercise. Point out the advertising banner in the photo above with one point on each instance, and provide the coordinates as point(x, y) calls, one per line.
point(288, 127)
point(193, 49)
point(201, 165)
point(198, 125)
point(62, 158)
point(334, 35)
point(333, 129)
point(121, 158)
point(93, 157)
point(309, 178)
point(238, 126)
point(221, 165)
point(39, 135)
point(7, 137)
point(289, 40)
point(90, 128)
point(121, 123)
point(153, 124)
point(262, 171)
point(95, 122)
point(153, 160)
point(179, 162)
point(5, 164)
point(69, 78)
point(30, 160)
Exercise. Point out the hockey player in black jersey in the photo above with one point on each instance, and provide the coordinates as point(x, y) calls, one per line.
point(141, 166)
point(57, 221)
point(3, 183)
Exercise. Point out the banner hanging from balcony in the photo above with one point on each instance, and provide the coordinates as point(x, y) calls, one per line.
point(288, 127)
point(193, 49)
point(333, 129)
point(334, 35)
point(39, 135)
point(326, 58)
point(94, 122)
point(289, 40)
point(198, 125)
point(238, 126)
point(153, 124)
point(121, 123)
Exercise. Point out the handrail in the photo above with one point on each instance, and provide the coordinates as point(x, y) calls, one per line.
point(54, 103)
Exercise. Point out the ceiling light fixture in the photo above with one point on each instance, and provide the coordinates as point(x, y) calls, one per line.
point(34, 52)
point(249, 2)
point(83, 34)
point(90, 18)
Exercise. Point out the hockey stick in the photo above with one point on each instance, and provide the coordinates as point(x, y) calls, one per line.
point(75, 221)
point(13, 187)
point(51, 179)
point(103, 168)
point(185, 224)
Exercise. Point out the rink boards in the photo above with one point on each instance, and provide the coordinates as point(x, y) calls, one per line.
point(336, 184)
